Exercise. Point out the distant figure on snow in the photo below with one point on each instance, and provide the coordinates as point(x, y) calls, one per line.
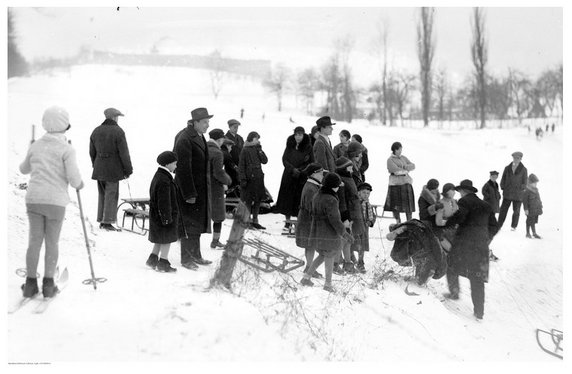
point(513, 183)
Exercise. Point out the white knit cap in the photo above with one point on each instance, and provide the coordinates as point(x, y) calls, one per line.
point(55, 119)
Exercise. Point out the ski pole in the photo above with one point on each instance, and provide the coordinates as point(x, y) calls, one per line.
point(93, 279)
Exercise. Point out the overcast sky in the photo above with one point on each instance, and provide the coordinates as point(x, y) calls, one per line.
point(529, 39)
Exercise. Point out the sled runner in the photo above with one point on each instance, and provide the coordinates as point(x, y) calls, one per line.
point(553, 339)
point(138, 218)
point(269, 258)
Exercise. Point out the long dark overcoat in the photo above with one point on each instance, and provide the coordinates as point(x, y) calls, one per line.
point(348, 194)
point(469, 255)
point(237, 147)
point(514, 183)
point(109, 153)
point(324, 155)
point(250, 172)
point(164, 217)
point(327, 227)
point(230, 167)
point(305, 212)
point(193, 178)
point(294, 159)
point(219, 178)
point(492, 195)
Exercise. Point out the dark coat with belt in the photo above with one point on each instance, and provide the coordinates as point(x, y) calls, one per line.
point(304, 223)
point(193, 178)
point(531, 201)
point(348, 196)
point(219, 178)
point(250, 173)
point(109, 153)
point(327, 228)
point(514, 183)
point(491, 195)
point(164, 217)
point(323, 154)
point(469, 255)
point(237, 147)
point(295, 158)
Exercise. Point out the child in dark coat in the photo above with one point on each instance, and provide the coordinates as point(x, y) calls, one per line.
point(364, 190)
point(163, 212)
point(532, 206)
point(491, 192)
point(252, 190)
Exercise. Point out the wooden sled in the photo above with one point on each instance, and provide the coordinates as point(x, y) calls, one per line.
point(269, 258)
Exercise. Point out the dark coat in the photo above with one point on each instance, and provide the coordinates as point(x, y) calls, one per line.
point(230, 167)
point(417, 242)
point(193, 178)
point(340, 150)
point(324, 155)
point(469, 255)
point(219, 178)
point(304, 223)
point(426, 202)
point(237, 147)
point(364, 163)
point(347, 194)
point(491, 195)
point(109, 153)
point(531, 201)
point(164, 217)
point(295, 158)
point(327, 228)
point(513, 184)
point(250, 173)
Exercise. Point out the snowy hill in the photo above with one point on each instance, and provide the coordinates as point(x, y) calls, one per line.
point(141, 315)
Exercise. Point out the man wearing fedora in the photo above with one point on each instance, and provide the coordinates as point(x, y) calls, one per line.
point(193, 178)
point(323, 152)
point(469, 255)
point(513, 182)
point(111, 163)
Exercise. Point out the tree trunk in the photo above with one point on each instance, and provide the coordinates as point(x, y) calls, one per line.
point(233, 249)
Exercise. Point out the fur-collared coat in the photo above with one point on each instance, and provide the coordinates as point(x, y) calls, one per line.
point(477, 225)
point(193, 178)
point(341, 150)
point(304, 223)
point(164, 218)
point(492, 195)
point(250, 172)
point(219, 179)
point(426, 202)
point(324, 155)
point(514, 183)
point(295, 158)
point(327, 228)
point(531, 201)
point(109, 153)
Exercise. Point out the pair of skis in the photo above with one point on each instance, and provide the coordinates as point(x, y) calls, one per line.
point(42, 304)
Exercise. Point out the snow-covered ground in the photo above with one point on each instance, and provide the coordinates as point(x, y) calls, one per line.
point(140, 315)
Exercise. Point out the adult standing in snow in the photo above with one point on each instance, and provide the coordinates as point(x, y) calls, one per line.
point(363, 163)
point(469, 255)
point(315, 174)
point(429, 202)
point(220, 181)
point(111, 163)
point(513, 183)
point(341, 149)
point(400, 196)
point(314, 134)
point(51, 163)
point(230, 167)
point(491, 192)
point(193, 178)
point(297, 155)
point(323, 153)
point(232, 134)
point(252, 190)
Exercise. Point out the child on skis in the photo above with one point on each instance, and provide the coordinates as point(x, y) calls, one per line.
point(163, 213)
point(51, 163)
point(532, 206)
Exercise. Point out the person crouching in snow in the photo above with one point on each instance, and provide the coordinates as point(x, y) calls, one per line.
point(532, 206)
point(51, 163)
point(315, 174)
point(362, 246)
point(252, 190)
point(327, 230)
point(220, 181)
point(163, 212)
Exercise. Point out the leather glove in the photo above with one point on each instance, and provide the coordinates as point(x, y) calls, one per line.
point(439, 205)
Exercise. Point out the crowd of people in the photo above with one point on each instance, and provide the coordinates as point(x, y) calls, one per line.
point(323, 186)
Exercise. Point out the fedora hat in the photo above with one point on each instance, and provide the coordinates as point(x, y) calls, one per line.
point(200, 113)
point(466, 185)
point(324, 121)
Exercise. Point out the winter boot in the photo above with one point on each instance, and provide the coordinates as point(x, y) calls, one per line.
point(337, 269)
point(317, 275)
point(216, 244)
point(361, 267)
point(329, 288)
point(306, 282)
point(349, 267)
point(152, 261)
point(49, 288)
point(536, 236)
point(30, 288)
point(164, 266)
point(258, 226)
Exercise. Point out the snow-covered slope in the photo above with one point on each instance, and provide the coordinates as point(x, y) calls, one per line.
point(141, 315)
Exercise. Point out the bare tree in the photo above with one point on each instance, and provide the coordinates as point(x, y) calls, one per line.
point(401, 86)
point(331, 83)
point(441, 90)
point(307, 84)
point(425, 52)
point(217, 69)
point(17, 65)
point(499, 97)
point(348, 96)
point(276, 82)
point(479, 55)
point(519, 86)
point(381, 43)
